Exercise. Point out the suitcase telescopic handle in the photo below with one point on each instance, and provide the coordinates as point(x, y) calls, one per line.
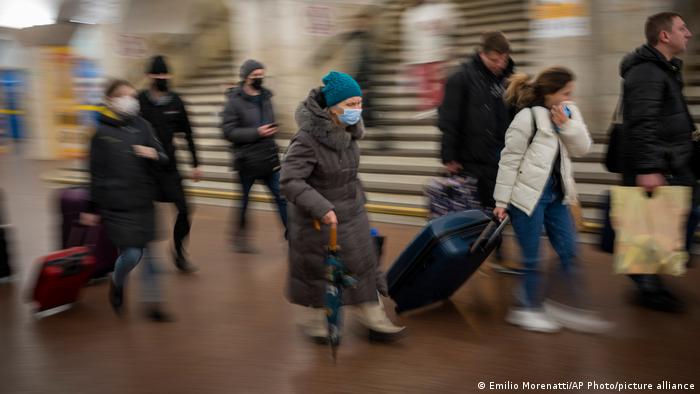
point(489, 236)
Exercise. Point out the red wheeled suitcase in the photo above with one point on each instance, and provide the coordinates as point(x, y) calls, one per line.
point(62, 275)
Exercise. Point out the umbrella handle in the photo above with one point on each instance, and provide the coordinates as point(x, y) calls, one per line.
point(333, 241)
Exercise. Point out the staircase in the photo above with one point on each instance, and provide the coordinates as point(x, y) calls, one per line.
point(394, 177)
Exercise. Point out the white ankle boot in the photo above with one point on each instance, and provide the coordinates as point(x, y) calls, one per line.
point(313, 323)
point(373, 316)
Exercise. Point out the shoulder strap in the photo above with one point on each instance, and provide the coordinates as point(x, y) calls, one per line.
point(617, 116)
point(534, 127)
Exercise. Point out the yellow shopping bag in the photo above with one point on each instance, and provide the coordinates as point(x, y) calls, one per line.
point(650, 231)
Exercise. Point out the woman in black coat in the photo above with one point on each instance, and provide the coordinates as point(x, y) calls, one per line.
point(123, 152)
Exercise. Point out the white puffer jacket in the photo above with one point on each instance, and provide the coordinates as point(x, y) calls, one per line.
point(524, 170)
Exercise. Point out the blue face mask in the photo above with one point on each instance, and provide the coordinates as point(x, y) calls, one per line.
point(350, 116)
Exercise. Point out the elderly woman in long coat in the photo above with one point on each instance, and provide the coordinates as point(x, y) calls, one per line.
point(320, 181)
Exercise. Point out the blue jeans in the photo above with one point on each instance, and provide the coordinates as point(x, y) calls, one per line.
point(128, 260)
point(272, 182)
point(556, 219)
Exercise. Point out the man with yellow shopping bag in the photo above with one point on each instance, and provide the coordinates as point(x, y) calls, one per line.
point(657, 150)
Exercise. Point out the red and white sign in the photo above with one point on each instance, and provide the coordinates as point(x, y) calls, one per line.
point(131, 46)
point(319, 20)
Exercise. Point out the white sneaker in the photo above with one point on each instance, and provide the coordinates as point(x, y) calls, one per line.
point(532, 320)
point(575, 319)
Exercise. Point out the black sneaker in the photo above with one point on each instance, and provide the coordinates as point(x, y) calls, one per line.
point(184, 265)
point(116, 297)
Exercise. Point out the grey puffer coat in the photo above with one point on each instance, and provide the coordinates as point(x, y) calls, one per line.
point(319, 174)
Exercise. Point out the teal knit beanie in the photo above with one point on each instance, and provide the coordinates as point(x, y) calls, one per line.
point(339, 87)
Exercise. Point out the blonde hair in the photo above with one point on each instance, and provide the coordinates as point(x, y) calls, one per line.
point(523, 92)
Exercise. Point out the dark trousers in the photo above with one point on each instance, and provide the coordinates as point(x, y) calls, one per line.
point(170, 190)
point(182, 224)
point(272, 181)
point(4, 255)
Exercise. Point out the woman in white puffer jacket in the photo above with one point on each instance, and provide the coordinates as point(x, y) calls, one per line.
point(535, 185)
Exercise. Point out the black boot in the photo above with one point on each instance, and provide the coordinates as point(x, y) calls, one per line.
point(116, 297)
point(184, 265)
point(660, 300)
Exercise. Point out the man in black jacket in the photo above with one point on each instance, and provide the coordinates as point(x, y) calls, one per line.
point(657, 126)
point(249, 124)
point(473, 117)
point(167, 114)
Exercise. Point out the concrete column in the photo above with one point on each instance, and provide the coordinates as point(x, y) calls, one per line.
point(616, 28)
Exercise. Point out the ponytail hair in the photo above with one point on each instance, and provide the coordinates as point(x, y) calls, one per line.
point(520, 91)
point(523, 92)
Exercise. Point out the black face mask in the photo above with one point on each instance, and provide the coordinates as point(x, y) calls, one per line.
point(161, 85)
point(257, 83)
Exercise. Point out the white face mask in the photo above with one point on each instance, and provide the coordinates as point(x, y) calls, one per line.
point(125, 105)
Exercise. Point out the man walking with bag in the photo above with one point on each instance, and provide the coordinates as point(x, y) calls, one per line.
point(473, 117)
point(657, 128)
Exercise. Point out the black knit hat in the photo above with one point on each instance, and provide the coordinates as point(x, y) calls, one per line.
point(158, 66)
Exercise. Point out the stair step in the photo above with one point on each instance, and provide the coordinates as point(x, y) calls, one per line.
point(205, 109)
point(471, 12)
point(397, 57)
point(210, 81)
point(466, 38)
point(516, 49)
point(224, 71)
point(511, 22)
point(220, 148)
point(215, 90)
point(459, 42)
point(204, 99)
point(416, 133)
point(476, 31)
point(471, 5)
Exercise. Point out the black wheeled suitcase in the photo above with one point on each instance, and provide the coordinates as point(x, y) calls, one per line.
point(441, 258)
